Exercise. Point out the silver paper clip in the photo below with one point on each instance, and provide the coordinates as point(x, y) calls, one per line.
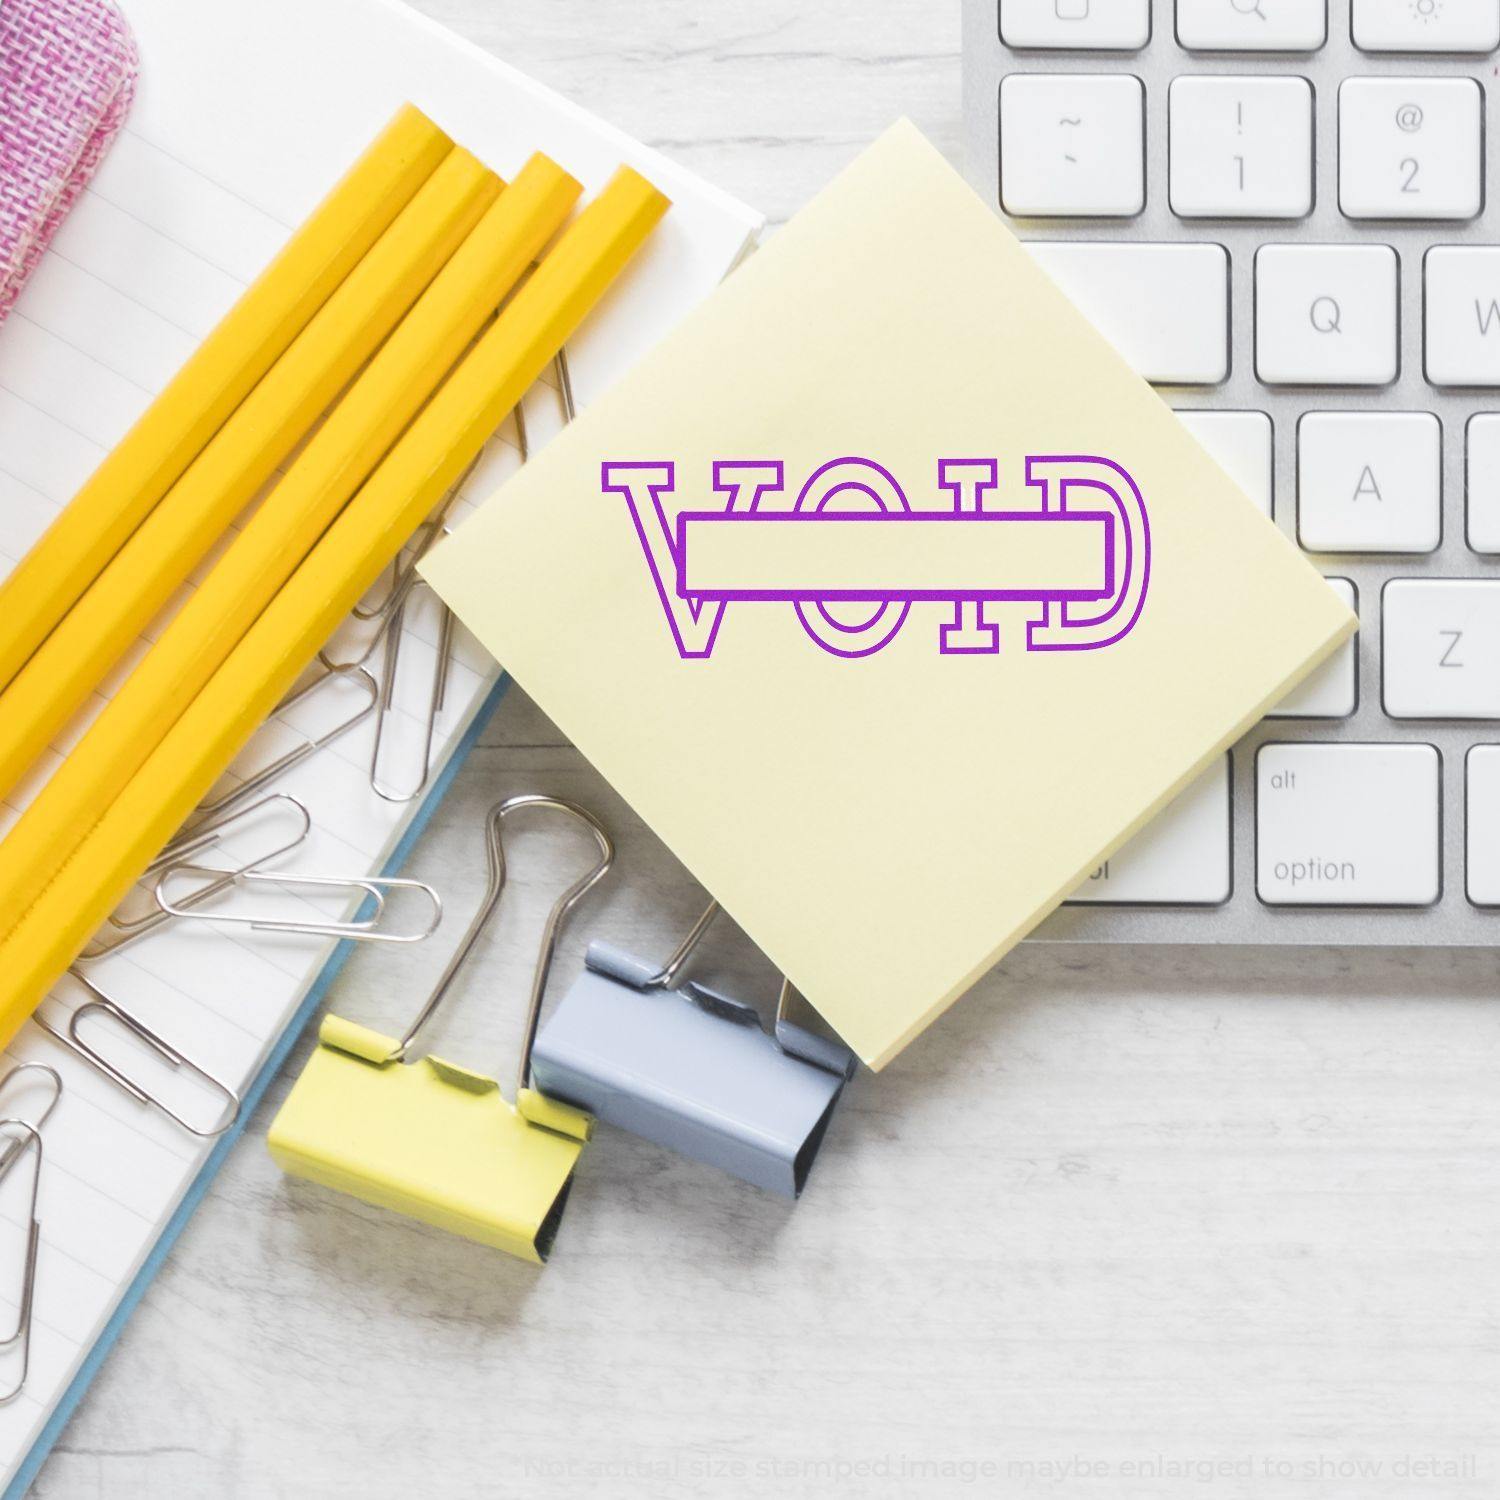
point(565, 384)
point(12, 1148)
point(311, 744)
point(691, 1068)
point(392, 617)
point(565, 393)
point(436, 695)
point(364, 927)
point(389, 616)
point(403, 575)
point(26, 1137)
point(178, 1061)
point(125, 929)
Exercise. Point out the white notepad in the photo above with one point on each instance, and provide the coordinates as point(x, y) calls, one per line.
point(244, 117)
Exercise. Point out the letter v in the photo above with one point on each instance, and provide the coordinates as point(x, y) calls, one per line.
point(694, 622)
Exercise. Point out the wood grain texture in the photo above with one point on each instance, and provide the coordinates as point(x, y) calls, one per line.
point(1227, 1217)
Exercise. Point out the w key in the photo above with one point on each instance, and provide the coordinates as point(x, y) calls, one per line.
point(1463, 315)
point(1441, 647)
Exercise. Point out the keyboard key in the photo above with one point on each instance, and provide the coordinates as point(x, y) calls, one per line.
point(1164, 307)
point(1348, 825)
point(1484, 482)
point(1326, 314)
point(1101, 25)
point(1252, 25)
point(1332, 692)
point(1240, 443)
point(1072, 144)
point(1482, 824)
point(1411, 148)
point(1182, 857)
point(1369, 482)
point(1463, 315)
point(1242, 148)
point(1427, 25)
point(1441, 648)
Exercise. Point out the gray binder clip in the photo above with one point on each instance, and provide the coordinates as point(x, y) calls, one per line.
point(693, 1069)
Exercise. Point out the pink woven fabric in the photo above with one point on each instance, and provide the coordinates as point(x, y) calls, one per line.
point(67, 74)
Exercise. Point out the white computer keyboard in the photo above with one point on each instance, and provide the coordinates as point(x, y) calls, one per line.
point(1279, 211)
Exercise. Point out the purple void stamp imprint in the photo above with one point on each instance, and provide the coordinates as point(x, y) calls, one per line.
point(851, 555)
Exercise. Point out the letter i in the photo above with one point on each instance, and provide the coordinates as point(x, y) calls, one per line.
point(968, 479)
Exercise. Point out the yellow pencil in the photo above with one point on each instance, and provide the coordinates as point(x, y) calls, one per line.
point(266, 426)
point(121, 492)
point(60, 917)
point(359, 430)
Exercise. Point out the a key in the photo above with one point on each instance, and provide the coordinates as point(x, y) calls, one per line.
point(1098, 25)
point(1326, 314)
point(1411, 148)
point(1240, 443)
point(1440, 645)
point(1482, 824)
point(1427, 25)
point(1331, 692)
point(1164, 307)
point(1463, 315)
point(1483, 469)
point(1369, 482)
point(1241, 148)
point(1251, 25)
point(1182, 856)
point(1072, 144)
point(1347, 825)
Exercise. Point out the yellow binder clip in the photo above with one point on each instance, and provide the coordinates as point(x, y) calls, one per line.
point(433, 1140)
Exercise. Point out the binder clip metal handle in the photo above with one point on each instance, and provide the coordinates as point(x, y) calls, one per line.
point(690, 1068)
point(793, 1034)
point(495, 853)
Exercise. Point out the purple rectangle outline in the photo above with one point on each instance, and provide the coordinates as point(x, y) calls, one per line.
point(804, 518)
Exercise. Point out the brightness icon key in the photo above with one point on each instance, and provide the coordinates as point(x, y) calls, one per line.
point(1426, 25)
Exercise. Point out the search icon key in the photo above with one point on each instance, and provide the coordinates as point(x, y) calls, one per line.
point(1254, 25)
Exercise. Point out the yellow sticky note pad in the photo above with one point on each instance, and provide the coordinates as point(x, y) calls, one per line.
point(889, 596)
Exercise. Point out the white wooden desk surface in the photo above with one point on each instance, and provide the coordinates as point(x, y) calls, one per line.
point(1119, 1210)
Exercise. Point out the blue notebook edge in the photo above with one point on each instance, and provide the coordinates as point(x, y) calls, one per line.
point(63, 1411)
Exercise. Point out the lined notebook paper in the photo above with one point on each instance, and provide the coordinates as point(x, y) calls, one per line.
point(244, 116)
